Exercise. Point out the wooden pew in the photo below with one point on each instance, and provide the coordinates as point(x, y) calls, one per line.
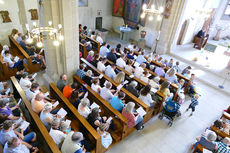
point(199, 147)
point(129, 96)
point(95, 44)
point(20, 51)
point(47, 143)
point(83, 50)
point(78, 122)
point(119, 120)
point(218, 132)
point(6, 72)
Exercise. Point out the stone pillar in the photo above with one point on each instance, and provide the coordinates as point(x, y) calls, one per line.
point(169, 27)
point(22, 14)
point(65, 57)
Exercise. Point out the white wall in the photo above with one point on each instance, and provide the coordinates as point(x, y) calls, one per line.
point(30, 4)
point(12, 7)
point(5, 28)
point(87, 15)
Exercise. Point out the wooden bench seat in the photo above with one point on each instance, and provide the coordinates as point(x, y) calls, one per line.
point(83, 50)
point(21, 52)
point(129, 96)
point(119, 120)
point(47, 143)
point(78, 122)
point(95, 44)
point(199, 147)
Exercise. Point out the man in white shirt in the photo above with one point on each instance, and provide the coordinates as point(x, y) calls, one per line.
point(109, 71)
point(33, 91)
point(104, 50)
point(10, 63)
point(106, 92)
point(25, 82)
point(139, 70)
point(99, 39)
point(101, 65)
point(121, 62)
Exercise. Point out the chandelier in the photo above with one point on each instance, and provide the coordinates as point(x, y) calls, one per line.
point(40, 33)
point(146, 10)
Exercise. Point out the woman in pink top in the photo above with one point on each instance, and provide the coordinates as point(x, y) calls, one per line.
point(134, 119)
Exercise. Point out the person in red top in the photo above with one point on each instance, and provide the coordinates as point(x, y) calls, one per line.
point(67, 90)
point(79, 28)
point(134, 119)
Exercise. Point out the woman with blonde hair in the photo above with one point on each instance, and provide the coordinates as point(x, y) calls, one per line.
point(83, 107)
point(129, 67)
point(120, 77)
point(134, 119)
point(170, 75)
point(90, 57)
point(164, 88)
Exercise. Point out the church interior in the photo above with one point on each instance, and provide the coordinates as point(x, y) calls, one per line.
point(115, 76)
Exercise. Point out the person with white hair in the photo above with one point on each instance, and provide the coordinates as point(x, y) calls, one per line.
point(132, 88)
point(88, 77)
point(139, 70)
point(207, 141)
point(171, 75)
point(83, 107)
point(5, 47)
point(99, 38)
point(57, 135)
point(72, 144)
point(107, 93)
point(121, 62)
point(45, 116)
point(223, 147)
point(134, 119)
point(155, 82)
point(90, 57)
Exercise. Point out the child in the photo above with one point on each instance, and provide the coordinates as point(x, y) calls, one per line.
point(194, 103)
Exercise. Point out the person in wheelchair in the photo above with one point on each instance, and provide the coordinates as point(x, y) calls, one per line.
point(171, 108)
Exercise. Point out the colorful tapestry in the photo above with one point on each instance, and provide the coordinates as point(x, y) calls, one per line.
point(132, 12)
point(118, 7)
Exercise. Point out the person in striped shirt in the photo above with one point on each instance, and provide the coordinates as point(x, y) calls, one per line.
point(223, 147)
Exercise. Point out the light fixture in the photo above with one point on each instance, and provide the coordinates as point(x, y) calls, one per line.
point(2, 2)
point(39, 33)
point(151, 11)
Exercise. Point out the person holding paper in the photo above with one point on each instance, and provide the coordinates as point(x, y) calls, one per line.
point(139, 70)
point(95, 120)
point(90, 56)
point(155, 82)
point(57, 135)
point(120, 78)
point(38, 103)
point(83, 107)
point(5, 109)
point(134, 119)
point(110, 71)
point(96, 85)
point(121, 61)
point(101, 65)
point(33, 91)
point(146, 97)
point(129, 67)
point(89, 77)
point(10, 62)
point(106, 139)
point(14, 145)
point(37, 57)
point(132, 88)
point(25, 82)
point(46, 116)
point(144, 77)
point(171, 75)
point(8, 132)
point(106, 92)
point(117, 101)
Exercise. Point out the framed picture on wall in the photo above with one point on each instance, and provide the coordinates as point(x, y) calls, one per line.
point(118, 7)
point(82, 3)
